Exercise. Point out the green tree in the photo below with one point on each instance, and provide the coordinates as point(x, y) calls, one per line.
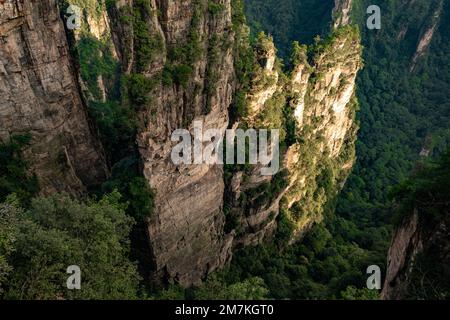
point(216, 288)
point(57, 232)
point(14, 177)
point(9, 214)
point(352, 293)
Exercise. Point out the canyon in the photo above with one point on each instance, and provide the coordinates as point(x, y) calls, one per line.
point(188, 55)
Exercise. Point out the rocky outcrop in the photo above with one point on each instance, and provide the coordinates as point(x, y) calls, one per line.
point(415, 239)
point(178, 57)
point(178, 70)
point(321, 95)
point(341, 12)
point(41, 96)
point(325, 150)
point(188, 235)
point(406, 243)
point(427, 34)
point(419, 256)
point(186, 232)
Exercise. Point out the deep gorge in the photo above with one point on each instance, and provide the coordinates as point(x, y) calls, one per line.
point(90, 112)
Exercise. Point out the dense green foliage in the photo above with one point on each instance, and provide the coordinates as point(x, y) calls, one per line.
point(16, 187)
point(244, 61)
point(37, 245)
point(289, 20)
point(8, 233)
point(117, 127)
point(402, 113)
point(57, 232)
point(322, 266)
point(216, 287)
point(136, 191)
point(135, 90)
point(427, 192)
point(14, 177)
point(96, 60)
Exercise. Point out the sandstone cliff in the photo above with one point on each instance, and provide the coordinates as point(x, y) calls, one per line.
point(418, 243)
point(189, 69)
point(427, 32)
point(419, 255)
point(41, 96)
point(320, 95)
point(341, 12)
point(180, 62)
point(186, 235)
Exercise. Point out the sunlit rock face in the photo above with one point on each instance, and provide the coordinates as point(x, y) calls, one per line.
point(321, 93)
point(341, 12)
point(427, 34)
point(185, 53)
point(186, 232)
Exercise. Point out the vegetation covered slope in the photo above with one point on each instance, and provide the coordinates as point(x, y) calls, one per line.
point(289, 20)
point(419, 257)
point(403, 113)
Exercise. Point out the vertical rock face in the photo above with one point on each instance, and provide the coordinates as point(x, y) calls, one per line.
point(405, 245)
point(341, 12)
point(177, 62)
point(321, 95)
point(41, 96)
point(188, 236)
point(415, 239)
point(325, 150)
point(427, 33)
point(186, 233)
